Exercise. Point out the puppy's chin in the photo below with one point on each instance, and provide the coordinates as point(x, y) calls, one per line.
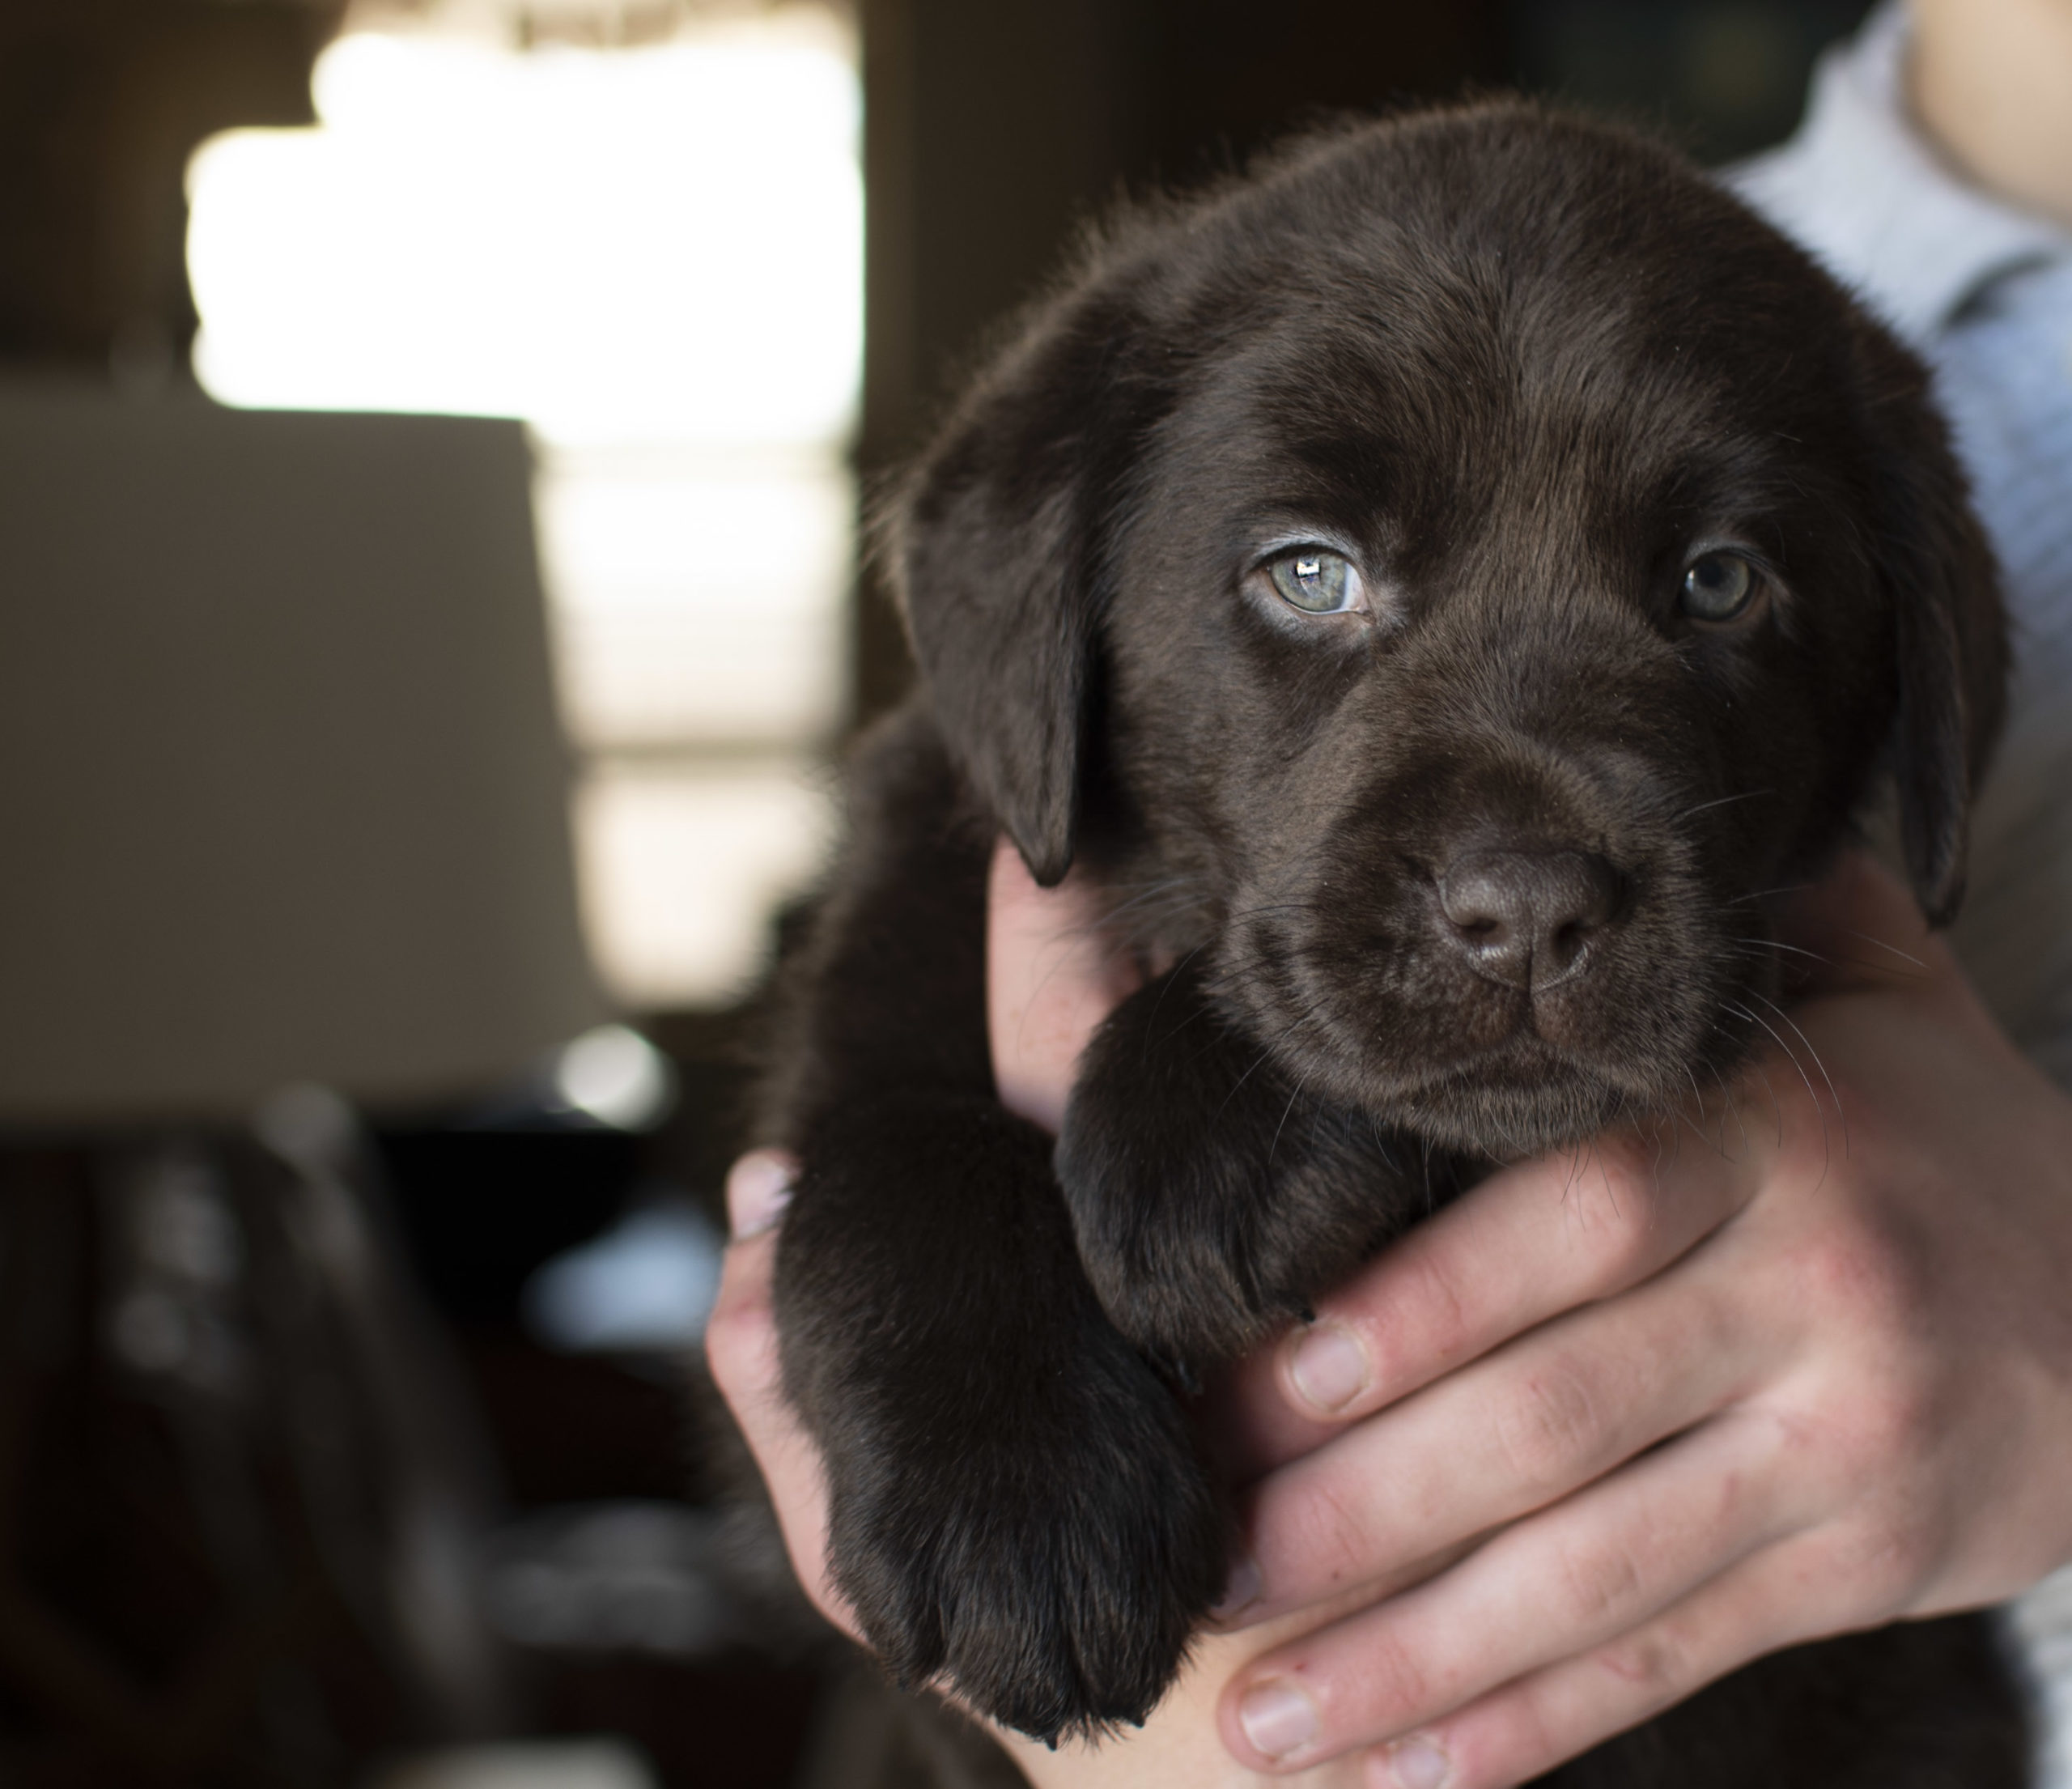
point(1511, 1116)
point(1508, 1097)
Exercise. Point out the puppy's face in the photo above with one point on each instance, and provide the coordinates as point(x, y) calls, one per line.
point(1478, 738)
point(1484, 565)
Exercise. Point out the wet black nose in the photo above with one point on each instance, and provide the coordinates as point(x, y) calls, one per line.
point(1524, 918)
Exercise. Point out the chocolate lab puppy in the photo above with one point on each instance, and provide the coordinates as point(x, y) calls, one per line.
point(1446, 586)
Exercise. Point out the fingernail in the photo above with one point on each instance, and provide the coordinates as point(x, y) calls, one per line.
point(1241, 1592)
point(1329, 1367)
point(1418, 1764)
point(758, 1188)
point(1277, 1717)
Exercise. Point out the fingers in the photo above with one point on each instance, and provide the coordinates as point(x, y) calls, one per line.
point(758, 1188)
point(1525, 1246)
point(1605, 1564)
point(1509, 1434)
point(1524, 1729)
point(1052, 974)
point(741, 1346)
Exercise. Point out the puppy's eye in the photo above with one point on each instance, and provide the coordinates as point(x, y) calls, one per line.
point(1317, 581)
point(1718, 587)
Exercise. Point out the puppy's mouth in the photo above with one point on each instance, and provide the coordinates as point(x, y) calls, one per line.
point(1521, 1098)
point(1518, 1039)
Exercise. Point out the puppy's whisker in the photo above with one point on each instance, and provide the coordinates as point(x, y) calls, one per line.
point(1881, 944)
point(1731, 1108)
point(1169, 887)
point(1519, 1152)
point(1724, 801)
point(1273, 1043)
point(1767, 894)
point(1114, 948)
point(1697, 1095)
point(1791, 1057)
point(1715, 1144)
point(1140, 922)
point(1170, 977)
point(1231, 921)
point(1776, 1105)
point(1604, 1174)
point(1817, 1062)
point(1863, 963)
point(1773, 944)
point(1296, 1094)
point(1381, 1139)
point(1727, 1099)
point(1257, 1062)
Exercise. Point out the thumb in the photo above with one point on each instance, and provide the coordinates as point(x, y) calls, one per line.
point(741, 1347)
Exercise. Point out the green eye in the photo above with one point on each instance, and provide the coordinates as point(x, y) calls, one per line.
point(1316, 581)
point(1717, 587)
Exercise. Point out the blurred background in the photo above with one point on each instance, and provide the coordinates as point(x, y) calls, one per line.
point(431, 436)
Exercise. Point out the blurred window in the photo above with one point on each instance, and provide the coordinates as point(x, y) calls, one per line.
point(650, 251)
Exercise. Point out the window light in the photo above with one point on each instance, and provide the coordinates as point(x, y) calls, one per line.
point(653, 255)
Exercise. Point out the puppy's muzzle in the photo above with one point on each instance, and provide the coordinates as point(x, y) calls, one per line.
point(1526, 919)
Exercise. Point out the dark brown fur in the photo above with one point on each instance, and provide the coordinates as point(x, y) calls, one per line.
point(1519, 370)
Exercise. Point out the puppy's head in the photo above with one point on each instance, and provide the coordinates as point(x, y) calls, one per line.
point(1455, 578)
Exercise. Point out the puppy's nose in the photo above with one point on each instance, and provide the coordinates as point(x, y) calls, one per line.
point(1524, 917)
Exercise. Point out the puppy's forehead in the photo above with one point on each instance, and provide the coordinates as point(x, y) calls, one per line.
point(1419, 401)
point(1407, 340)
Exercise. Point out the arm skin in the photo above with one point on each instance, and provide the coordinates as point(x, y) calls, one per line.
point(1844, 1312)
point(1991, 82)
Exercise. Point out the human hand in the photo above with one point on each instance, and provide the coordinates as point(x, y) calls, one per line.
point(1706, 1396)
point(1843, 1314)
point(1866, 1375)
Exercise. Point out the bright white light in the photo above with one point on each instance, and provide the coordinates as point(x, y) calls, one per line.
point(616, 1077)
point(769, 538)
point(697, 599)
point(654, 257)
point(663, 242)
point(682, 872)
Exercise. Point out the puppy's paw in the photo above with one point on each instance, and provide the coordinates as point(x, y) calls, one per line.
point(1210, 1196)
point(1045, 1550)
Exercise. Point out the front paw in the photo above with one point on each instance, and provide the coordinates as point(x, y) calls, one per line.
point(1210, 1196)
point(1046, 1548)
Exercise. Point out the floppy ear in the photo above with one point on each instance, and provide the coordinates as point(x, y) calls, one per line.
point(995, 546)
point(1934, 561)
